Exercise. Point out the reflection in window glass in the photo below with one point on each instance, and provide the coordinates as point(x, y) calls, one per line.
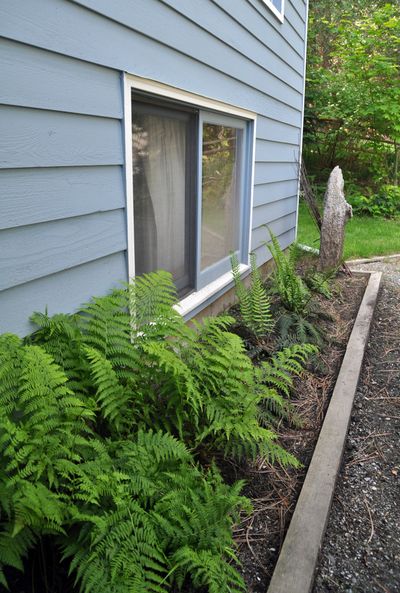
point(277, 4)
point(220, 192)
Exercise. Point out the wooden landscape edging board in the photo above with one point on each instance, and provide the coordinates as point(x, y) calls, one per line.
point(294, 571)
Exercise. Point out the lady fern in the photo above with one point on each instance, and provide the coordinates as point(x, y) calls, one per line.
point(102, 499)
point(277, 375)
point(97, 414)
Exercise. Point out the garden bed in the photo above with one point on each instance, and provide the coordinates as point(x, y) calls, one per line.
point(212, 364)
point(273, 490)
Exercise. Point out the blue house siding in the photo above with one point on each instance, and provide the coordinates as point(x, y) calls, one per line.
point(62, 211)
point(63, 291)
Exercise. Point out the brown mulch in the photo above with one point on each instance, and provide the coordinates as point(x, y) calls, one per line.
point(273, 490)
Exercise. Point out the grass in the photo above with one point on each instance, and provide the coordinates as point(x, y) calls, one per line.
point(365, 236)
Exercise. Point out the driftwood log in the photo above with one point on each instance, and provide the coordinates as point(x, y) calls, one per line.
point(336, 213)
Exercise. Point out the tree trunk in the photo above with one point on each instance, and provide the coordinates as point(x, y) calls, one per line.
point(336, 213)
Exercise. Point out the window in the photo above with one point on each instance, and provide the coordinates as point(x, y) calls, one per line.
point(277, 7)
point(190, 185)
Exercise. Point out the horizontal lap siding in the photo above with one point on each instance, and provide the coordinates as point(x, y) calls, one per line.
point(61, 116)
point(62, 208)
point(58, 292)
point(30, 196)
point(38, 138)
point(38, 250)
point(31, 77)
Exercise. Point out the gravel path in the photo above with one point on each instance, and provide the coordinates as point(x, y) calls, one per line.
point(361, 549)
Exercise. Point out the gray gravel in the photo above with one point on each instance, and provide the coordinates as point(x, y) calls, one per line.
point(361, 549)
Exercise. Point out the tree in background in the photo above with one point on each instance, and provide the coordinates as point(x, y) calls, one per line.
point(352, 114)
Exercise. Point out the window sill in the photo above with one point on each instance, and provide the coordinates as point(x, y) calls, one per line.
point(192, 304)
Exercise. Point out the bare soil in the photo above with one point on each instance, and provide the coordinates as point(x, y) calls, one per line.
point(274, 491)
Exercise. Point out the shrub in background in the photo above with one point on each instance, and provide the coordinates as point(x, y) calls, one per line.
point(385, 203)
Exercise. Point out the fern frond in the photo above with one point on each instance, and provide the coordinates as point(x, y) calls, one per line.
point(287, 283)
point(254, 304)
point(294, 328)
point(114, 400)
point(320, 282)
point(207, 570)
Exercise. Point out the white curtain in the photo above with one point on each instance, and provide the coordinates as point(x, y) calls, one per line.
point(159, 147)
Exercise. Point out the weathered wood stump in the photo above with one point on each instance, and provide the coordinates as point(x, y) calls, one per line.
point(336, 213)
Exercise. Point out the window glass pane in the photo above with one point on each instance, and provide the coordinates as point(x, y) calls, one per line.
point(277, 4)
point(220, 192)
point(159, 143)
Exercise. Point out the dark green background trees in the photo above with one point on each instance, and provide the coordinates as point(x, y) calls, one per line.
point(352, 111)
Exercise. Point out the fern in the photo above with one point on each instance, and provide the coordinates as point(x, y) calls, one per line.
point(287, 283)
point(295, 328)
point(102, 499)
point(42, 426)
point(114, 399)
point(278, 372)
point(102, 415)
point(163, 505)
point(61, 337)
point(319, 282)
point(277, 375)
point(254, 304)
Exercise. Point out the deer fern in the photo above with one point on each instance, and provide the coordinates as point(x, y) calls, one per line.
point(254, 304)
point(287, 283)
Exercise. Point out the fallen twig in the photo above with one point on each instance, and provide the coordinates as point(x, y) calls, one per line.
point(370, 518)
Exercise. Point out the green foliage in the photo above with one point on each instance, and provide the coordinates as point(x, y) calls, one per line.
point(293, 325)
point(295, 328)
point(195, 382)
point(385, 203)
point(353, 91)
point(254, 303)
point(128, 513)
point(319, 282)
point(278, 373)
point(287, 283)
point(98, 412)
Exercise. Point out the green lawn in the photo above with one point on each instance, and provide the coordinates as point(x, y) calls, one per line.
point(365, 236)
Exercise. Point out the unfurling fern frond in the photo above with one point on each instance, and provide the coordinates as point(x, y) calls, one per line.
point(254, 304)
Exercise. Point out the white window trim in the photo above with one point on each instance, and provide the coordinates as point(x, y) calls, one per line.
point(195, 300)
point(279, 15)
